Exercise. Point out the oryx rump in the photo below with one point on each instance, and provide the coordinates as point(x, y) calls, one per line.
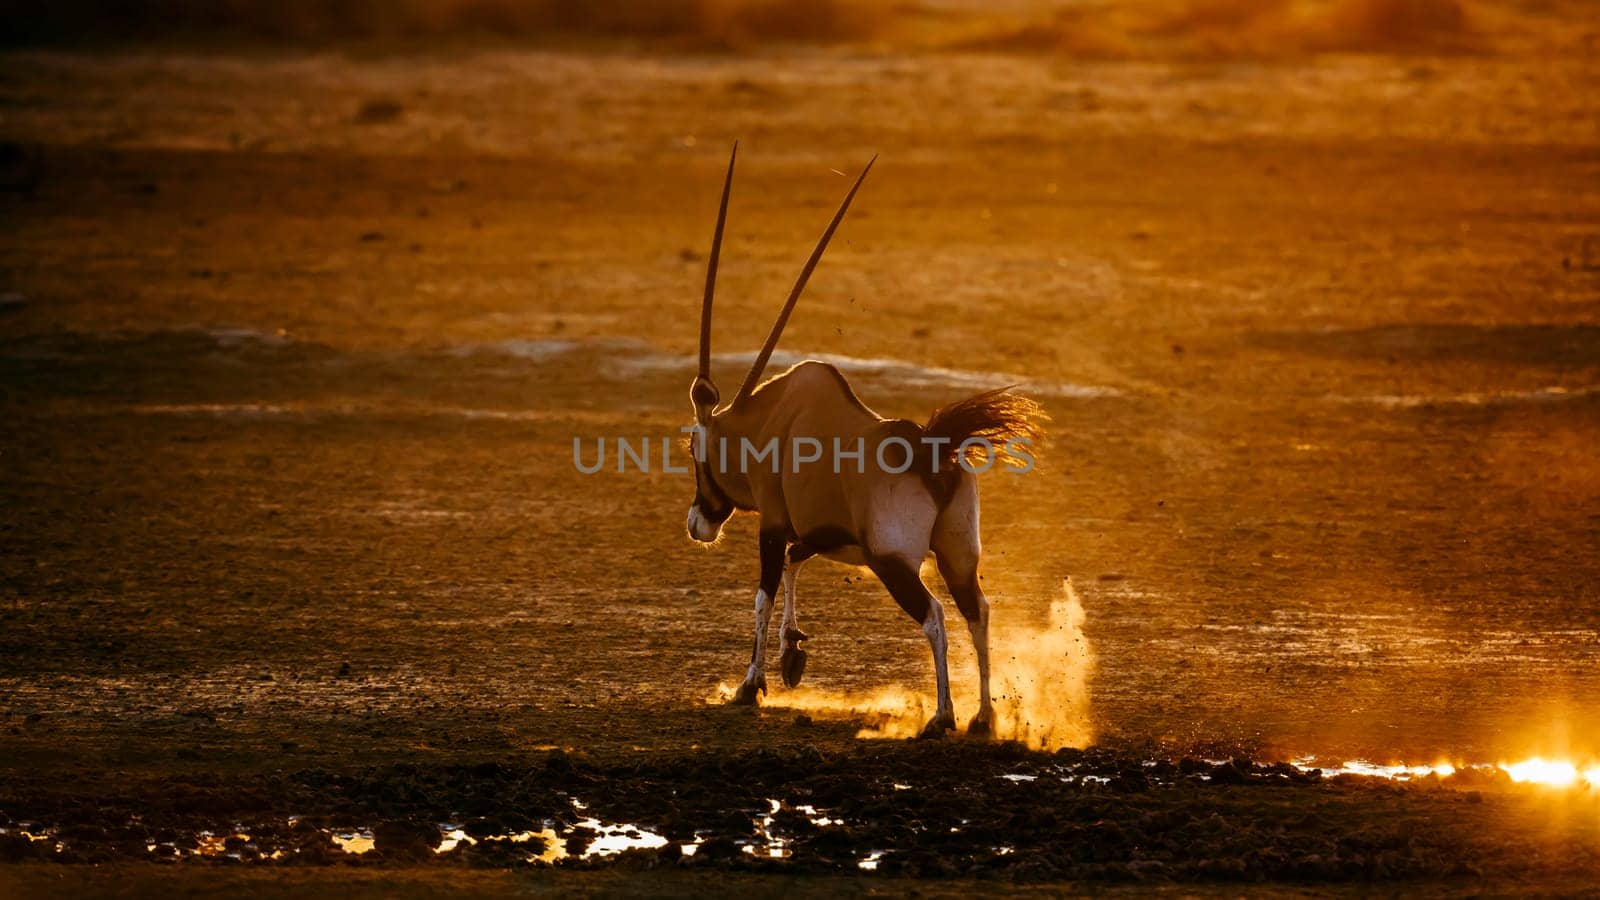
point(903, 493)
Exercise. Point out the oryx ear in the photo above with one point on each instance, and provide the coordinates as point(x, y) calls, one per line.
point(703, 394)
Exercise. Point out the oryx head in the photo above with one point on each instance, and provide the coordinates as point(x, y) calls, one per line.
point(712, 505)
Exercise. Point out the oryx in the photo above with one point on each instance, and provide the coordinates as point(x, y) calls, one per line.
point(901, 492)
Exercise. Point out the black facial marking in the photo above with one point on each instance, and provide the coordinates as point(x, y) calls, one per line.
point(709, 497)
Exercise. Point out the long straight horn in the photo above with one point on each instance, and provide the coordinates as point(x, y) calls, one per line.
point(711, 270)
point(799, 286)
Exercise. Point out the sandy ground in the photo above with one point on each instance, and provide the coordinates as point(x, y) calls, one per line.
point(293, 348)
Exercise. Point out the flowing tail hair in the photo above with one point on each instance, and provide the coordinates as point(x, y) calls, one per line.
point(998, 417)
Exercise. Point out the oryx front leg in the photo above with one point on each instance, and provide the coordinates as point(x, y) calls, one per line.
point(755, 678)
point(899, 575)
point(792, 662)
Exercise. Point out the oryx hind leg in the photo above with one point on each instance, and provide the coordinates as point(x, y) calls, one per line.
point(792, 662)
point(956, 547)
point(899, 574)
point(896, 544)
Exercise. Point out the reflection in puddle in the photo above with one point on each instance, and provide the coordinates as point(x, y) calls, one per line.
point(35, 834)
point(1535, 771)
point(614, 839)
point(1555, 773)
point(1552, 773)
point(608, 840)
point(587, 838)
point(591, 838)
point(230, 845)
point(355, 842)
point(817, 818)
point(1373, 770)
point(768, 844)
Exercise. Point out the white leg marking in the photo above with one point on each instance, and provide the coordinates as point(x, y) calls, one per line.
point(758, 657)
point(790, 605)
point(979, 628)
point(933, 627)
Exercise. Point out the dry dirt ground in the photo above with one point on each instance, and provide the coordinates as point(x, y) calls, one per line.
point(294, 346)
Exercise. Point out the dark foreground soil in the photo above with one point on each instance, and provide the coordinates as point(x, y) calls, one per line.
point(949, 809)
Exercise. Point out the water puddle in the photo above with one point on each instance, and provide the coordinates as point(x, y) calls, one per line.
point(586, 838)
point(1373, 770)
point(774, 828)
point(768, 844)
point(354, 842)
point(34, 833)
point(1534, 772)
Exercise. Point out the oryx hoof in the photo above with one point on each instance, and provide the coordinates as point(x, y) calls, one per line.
point(793, 666)
point(938, 725)
point(746, 694)
point(981, 725)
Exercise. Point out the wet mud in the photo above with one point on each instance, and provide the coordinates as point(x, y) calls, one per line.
point(943, 809)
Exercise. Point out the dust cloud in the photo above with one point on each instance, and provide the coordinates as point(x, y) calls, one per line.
point(1040, 684)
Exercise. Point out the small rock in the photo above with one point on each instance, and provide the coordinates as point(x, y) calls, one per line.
point(405, 839)
point(16, 847)
point(718, 849)
point(377, 111)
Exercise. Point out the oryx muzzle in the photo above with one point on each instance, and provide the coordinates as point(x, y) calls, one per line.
point(886, 517)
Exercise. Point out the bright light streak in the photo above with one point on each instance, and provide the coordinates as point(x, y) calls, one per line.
point(1554, 773)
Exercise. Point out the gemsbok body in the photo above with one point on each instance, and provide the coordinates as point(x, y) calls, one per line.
point(829, 477)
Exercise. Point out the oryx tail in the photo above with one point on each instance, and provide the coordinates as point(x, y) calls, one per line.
point(996, 417)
